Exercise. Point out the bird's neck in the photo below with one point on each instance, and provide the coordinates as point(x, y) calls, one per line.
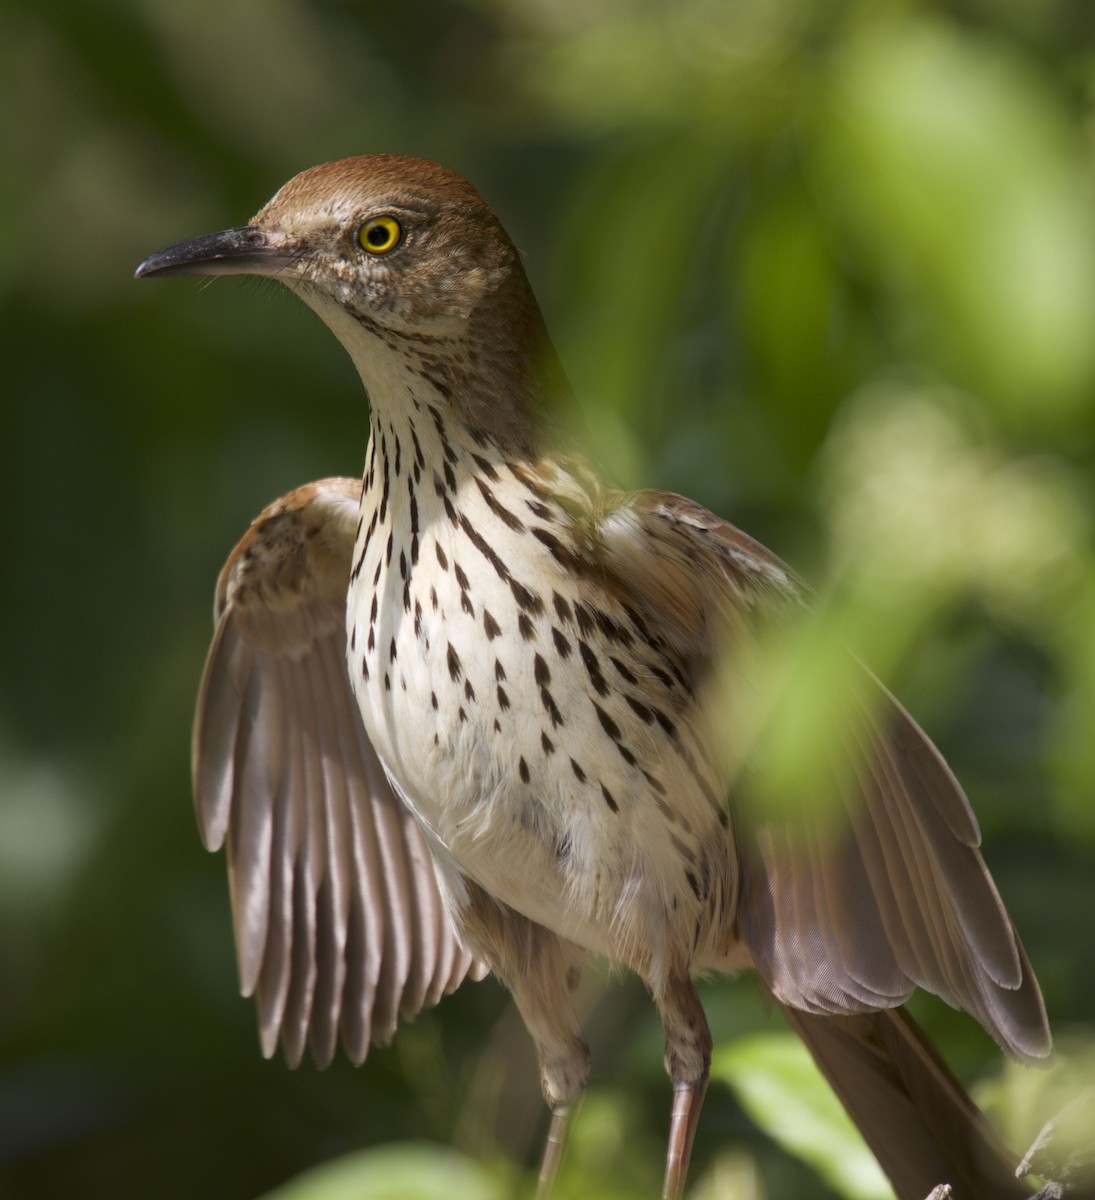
point(492, 379)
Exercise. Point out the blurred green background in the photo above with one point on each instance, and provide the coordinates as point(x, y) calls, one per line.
point(828, 267)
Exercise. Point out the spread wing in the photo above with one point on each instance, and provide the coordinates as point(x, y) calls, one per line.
point(340, 925)
point(850, 914)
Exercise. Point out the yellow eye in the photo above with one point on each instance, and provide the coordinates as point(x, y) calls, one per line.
point(379, 235)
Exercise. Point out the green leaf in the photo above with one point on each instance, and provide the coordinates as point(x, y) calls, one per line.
point(407, 1171)
point(778, 1085)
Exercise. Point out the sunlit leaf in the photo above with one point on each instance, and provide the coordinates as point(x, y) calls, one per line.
point(406, 1171)
point(781, 1090)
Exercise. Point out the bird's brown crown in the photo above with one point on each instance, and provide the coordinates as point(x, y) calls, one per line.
point(365, 177)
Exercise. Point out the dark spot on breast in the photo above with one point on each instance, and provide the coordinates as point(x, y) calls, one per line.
point(579, 774)
point(500, 511)
point(469, 691)
point(491, 626)
point(540, 671)
point(666, 724)
point(522, 768)
point(442, 557)
point(484, 548)
point(453, 660)
point(654, 782)
point(499, 670)
point(593, 668)
point(612, 628)
point(547, 744)
point(585, 620)
point(548, 702)
point(486, 466)
point(640, 710)
point(662, 676)
point(433, 701)
point(525, 626)
point(563, 555)
point(561, 607)
point(461, 578)
point(526, 598)
point(607, 723)
point(503, 699)
point(609, 799)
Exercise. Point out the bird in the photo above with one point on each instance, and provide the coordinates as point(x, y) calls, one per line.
point(467, 715)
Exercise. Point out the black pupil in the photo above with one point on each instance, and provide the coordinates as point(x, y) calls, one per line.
point(379, 235)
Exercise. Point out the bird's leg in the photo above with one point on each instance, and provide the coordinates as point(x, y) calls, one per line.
point(542, 994)
point(687, 1104)
point(541, 972)
point(688, 1062)
point(554, 1148)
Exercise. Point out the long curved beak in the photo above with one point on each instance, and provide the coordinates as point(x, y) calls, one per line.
point(242, 251)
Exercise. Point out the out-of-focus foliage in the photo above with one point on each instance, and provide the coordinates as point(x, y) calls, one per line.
point(827, 267)
point(777, 1082)
point(403, 1171)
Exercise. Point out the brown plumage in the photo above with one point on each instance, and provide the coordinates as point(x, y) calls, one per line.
point(473, 714)
point(340, 925)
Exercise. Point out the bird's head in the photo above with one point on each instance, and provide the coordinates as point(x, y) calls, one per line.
point(400, 257)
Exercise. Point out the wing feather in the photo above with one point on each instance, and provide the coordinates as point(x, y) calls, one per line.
point(851, 915)
point(341, 926)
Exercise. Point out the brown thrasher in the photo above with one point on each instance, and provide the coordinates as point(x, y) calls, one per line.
point(458, 718)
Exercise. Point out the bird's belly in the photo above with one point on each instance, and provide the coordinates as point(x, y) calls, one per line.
point(537, 767)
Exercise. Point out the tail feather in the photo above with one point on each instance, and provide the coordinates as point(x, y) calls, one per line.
point(913, 1113)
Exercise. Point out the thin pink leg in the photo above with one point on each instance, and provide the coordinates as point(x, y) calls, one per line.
point(687, 1104)
point(554, 1149)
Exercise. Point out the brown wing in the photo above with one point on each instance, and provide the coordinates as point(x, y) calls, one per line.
point(847, 915)
point(339, 922)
